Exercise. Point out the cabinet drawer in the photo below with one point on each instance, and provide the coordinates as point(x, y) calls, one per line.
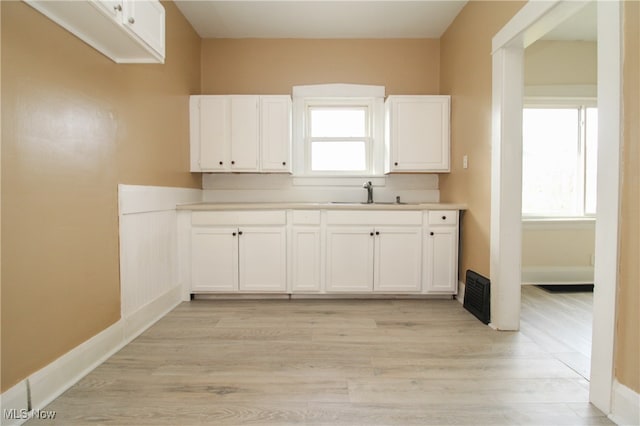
point(306, 217)
point(376, 218)
point(442, 217)
point(236, 218)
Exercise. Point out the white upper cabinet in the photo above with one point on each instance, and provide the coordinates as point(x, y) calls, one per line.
point(417, 134)
point(240, 133)
point(212, 130)
point(126, 31)
point(145, 19)
point(244, 134)
point(275, 122)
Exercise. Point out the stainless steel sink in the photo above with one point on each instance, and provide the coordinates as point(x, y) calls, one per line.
point(371, 204)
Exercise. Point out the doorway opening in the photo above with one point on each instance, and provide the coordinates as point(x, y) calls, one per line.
point(534, 20)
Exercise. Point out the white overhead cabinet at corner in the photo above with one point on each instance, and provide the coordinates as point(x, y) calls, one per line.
point(240, 133)
point(417, 134)
point(126, 31)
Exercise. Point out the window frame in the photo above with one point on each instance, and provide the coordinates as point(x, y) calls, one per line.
point(338, 95)
point(581, 104)
point(338, 103)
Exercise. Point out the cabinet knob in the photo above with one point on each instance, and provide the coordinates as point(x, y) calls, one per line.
point(233, 233)
point(431, 233)
point(221, 163)
point(371, 233)
point(233, 162)
point(239, 232)
point(117, 8)
point(395, 164)
point(131, 20)
point(444, 218)
point(284, 163)
point(377, 232)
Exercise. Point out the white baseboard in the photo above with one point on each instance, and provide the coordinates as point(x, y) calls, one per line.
point(625, 405)
point(557, 275)
point(45, 385)
point(14, 398)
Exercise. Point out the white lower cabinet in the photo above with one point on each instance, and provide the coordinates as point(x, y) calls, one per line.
point(306, 259)
point(398, 259)
point(316, 252)
point(250, 259)
point(214, 259)
point(441, 253)
point(380, 259)
point(349, 259)
point(262, 259)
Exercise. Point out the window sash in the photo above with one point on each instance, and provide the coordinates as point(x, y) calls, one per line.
point(366, 139)
point(582, 173)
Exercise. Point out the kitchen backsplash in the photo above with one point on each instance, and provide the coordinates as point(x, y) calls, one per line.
point(411, 188)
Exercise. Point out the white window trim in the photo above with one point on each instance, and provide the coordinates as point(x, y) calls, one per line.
point(373, 96)
point(559, 102)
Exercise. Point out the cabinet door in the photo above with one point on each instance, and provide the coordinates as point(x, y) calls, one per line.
point(442, 260)
point(112, 8)
point(214, 259)
point(145, 18)
point(306, 258)
point(262, 254)
point(244, 133)
point(275, 121)
point(398, 259)
point(214, 133)
point(349, 259)
point(418, 133)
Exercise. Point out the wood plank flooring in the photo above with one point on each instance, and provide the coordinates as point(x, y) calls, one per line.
point(561, 323)
point(328, 362)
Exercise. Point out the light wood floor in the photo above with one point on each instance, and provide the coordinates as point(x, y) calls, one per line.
point(561, 323)
point(328, 362)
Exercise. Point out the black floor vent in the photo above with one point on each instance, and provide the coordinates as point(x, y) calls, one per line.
point(477, 296)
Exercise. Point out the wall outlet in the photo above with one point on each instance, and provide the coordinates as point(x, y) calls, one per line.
point(465, 162)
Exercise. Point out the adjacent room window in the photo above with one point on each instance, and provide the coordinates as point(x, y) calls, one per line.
point(559, 161)
point(338, 137)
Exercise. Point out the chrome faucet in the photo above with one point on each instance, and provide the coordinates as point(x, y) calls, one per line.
point(369, 187)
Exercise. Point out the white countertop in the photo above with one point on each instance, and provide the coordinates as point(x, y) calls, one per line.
point(207, 206)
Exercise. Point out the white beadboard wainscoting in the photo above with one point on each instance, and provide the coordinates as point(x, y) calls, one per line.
point(149, 289)
point(148, 243)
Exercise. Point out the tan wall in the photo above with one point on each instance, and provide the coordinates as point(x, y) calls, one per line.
point(465, 70)
point(627, 342)
point(551, 63)
point(74, 125)
point(273, 66)
point(555, 246)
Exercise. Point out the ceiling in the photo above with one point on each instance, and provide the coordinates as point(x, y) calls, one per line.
point(320, 19)
point(348, 19)
point(580, 26)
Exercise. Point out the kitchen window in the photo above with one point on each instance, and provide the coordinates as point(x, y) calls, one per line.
point(338, 130)
point(338, 137)
point(559, 161)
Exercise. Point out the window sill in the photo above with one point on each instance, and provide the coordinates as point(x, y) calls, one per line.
point(558, 222)
point(338, 180)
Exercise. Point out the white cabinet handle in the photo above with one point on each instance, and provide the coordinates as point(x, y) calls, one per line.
point(131, 20)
